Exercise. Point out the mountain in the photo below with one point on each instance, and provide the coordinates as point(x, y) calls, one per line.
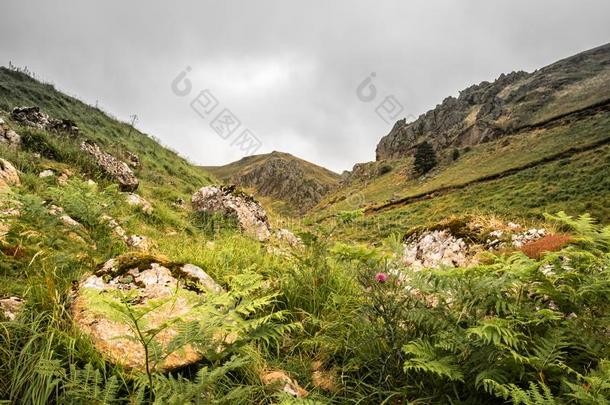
point(511, 103)
point(292, 183)
point(524, 144)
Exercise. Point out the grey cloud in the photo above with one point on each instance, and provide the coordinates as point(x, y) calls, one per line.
point(288, 70)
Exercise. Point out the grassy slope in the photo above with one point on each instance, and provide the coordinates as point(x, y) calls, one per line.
point(161, 167)
point(487, 159)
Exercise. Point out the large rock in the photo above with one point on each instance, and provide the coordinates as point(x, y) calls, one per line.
point(226, 200)
point(117, 169)
point(174, 290)
point(8, 174)
point(7, 135)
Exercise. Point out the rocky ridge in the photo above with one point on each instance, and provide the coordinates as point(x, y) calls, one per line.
point(490, 110)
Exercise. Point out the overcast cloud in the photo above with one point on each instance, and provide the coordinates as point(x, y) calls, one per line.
point(289, 71)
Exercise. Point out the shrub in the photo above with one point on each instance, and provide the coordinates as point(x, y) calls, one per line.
point(548, 243)
point(383, 169)
point(455, 154)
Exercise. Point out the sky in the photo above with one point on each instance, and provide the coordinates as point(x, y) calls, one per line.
point(323, 80)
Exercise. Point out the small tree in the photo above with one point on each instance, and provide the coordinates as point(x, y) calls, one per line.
point(456, 154)
point(425, 158)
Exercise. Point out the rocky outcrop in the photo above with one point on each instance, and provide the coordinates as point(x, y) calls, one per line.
point(435, 249)
point(8, 174)
point(7, 135)
point(226, 200)
point(115, 168)
point(150, 280)
point(33, 117)
point(486, 111)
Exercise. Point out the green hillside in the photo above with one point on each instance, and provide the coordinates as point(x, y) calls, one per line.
point(497, 174)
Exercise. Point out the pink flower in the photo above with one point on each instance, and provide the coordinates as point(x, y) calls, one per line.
point(381, 277)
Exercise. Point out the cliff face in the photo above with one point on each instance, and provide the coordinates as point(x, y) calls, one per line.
point(282, 176)
point(487, 111)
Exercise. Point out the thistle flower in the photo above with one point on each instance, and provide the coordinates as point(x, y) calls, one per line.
point(381, 277)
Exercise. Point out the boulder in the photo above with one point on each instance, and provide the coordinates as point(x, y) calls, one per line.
point(226, 200)
point(137, 201)
point(117, 169)
point(8, 174)
point(7, 135)
point(174, 290)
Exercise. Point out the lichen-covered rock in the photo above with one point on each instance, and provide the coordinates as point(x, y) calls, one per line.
point(8, 136)
point(149, 281)
point(8, 174)
point(226, 200)
point(117, 169)
point(137, 201)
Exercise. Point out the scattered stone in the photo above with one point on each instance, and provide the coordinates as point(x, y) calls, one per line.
point(132, 159)
point(66, 219)
point(116, 229)
point(287, 384)
point(225, 200)
point(46, 173)
point(7, 135)
point(528, 236)
point(118, 170)
point(10, 307)
point(137, 201)
point(149, 280)
point(139, 242)
point(434, 249)
point(91, 183)
point(179, 203)
point(8, 174)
